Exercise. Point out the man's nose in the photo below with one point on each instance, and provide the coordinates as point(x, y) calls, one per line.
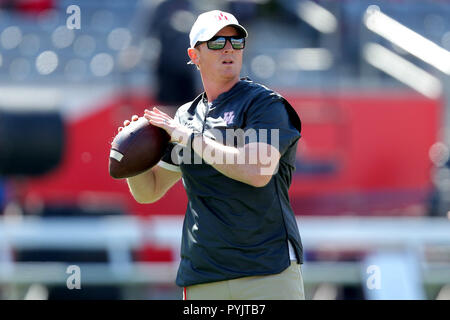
point(228, 46)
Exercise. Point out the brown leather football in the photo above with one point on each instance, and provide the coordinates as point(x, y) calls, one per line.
point(137, 148)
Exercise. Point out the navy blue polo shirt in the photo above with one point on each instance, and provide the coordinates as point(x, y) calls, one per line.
point(232, 229)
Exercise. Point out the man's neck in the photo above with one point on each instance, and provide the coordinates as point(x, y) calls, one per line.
point(215, 89)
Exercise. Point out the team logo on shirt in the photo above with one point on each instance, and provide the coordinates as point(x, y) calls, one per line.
point(228, 117)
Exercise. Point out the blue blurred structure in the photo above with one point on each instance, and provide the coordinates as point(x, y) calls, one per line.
point(117, 30)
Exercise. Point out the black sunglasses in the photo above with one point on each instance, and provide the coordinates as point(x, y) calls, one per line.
point(219, 42)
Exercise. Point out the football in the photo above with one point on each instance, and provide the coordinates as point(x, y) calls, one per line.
point(137, 148)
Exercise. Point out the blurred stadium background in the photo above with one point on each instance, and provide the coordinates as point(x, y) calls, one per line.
point(369, 79)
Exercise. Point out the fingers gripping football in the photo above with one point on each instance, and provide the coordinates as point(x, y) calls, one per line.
point(178, 133)
point(127, 122)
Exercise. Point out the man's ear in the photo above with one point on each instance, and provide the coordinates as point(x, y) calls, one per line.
point(193, 55)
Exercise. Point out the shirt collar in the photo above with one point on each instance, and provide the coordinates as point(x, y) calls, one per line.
point(238, 86)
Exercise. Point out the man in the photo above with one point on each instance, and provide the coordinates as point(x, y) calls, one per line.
point(240, 238)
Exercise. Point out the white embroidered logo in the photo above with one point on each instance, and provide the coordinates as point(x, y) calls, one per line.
point(228, 117)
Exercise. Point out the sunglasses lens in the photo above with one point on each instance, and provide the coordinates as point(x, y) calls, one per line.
point(238, 43)
point(217, 44)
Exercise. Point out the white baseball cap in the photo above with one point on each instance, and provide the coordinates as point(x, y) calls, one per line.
point(211, 22)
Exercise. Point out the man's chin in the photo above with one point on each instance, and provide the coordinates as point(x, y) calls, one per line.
point(230, 74)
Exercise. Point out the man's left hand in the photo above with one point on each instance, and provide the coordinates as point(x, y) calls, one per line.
point(178, 133)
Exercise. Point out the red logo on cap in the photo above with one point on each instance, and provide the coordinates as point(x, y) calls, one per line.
point(222, 16)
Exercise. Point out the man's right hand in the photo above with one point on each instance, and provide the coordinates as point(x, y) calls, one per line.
point(127, 122)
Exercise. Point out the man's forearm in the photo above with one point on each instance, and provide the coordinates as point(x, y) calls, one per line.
point(142, 186)
point(248, 164)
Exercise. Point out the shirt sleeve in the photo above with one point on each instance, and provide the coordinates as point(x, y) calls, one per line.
point(270, 123)
point(167, 161)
